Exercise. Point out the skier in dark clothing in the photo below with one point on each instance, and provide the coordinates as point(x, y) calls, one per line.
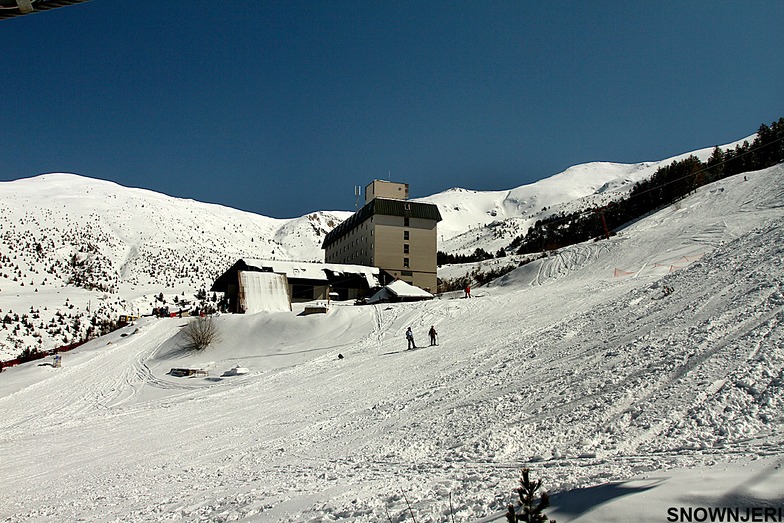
point(410, 338)
point(433, 334)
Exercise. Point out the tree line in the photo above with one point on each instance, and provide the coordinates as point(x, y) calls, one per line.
point(478, 255)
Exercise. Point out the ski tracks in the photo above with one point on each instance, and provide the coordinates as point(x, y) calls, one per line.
point(101, 377)
point(568, 260)
point(383, 318)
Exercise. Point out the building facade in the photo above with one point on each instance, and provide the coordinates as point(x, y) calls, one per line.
point(246, 290)
point(392, 233)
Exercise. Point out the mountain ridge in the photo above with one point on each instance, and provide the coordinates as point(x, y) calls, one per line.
point(97, 241)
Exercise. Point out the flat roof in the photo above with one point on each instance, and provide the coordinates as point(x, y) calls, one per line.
point(387, 207)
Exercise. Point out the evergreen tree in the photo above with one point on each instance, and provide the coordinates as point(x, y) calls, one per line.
point(531, 508)
point(715, 165)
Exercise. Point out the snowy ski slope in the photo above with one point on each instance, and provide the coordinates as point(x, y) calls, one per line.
point(622, 397)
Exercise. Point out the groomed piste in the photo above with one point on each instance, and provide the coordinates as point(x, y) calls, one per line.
point(628, 393)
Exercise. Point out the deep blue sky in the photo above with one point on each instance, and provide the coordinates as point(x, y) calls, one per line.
point(280, 108)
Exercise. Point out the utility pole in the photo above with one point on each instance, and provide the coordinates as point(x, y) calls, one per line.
point(601, 210)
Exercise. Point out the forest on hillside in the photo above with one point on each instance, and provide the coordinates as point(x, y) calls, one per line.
point(667, 185)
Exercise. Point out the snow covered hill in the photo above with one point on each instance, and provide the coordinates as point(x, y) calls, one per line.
point(92, 249)
point(491, 219)
point(75, 251)
point(621, 371)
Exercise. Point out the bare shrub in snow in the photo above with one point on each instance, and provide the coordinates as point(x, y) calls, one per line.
point(200, 333)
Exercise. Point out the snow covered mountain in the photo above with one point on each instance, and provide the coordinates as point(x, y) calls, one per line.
point(89, 247)
point(491, 219)
point(75, 251)
point(632, 375)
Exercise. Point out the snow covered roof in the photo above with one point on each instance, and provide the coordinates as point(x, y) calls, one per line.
point(316, 271)
point(400, 290)
point(321, 272)
point(264, 291)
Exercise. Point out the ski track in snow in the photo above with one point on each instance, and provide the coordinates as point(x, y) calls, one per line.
point(585, 376)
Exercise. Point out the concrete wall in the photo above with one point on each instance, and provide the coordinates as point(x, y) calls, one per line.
point(384, 189)
point(354, 247)
point(389, 249)
point(380, 241)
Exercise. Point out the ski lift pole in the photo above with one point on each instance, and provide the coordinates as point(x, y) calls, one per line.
point(600, 210)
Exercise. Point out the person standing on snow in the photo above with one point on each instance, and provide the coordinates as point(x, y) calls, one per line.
point(410, 338)
point(468, 291)
point(432, 332)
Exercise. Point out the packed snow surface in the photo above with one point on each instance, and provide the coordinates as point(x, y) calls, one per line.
point(631, 375)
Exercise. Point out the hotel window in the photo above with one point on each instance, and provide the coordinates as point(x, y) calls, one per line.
point(406, 221)
point(405, 263)
point(405, 235)
point(405, 248)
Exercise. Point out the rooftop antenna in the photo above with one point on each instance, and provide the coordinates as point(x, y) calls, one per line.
point(357, 194)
